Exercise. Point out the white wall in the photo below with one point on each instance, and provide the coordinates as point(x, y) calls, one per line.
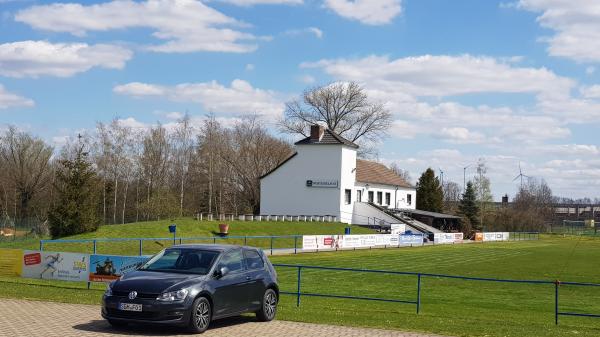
point(348, 174)
point(284, 191)
point(398, 198)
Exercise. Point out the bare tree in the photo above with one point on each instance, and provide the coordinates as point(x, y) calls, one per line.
point(26, 163)
point(452, 196)
point(183, 144)
point(343, 107)
point(154, 160)
point(404, 174)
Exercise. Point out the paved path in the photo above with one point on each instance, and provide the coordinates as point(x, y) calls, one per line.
point(47, 319)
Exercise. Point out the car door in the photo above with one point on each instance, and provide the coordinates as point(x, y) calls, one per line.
point(255, 275)
point(230, 295)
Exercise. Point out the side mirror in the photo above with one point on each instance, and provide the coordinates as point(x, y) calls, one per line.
point(222, 271)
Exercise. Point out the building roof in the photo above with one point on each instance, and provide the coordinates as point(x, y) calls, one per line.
point(329, 137)
point(278, 166)
point(377, 173)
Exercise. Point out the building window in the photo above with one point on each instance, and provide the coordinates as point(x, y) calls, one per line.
point(359, 195)
point(388, 198)
point(380, 198)
point(371, 196)
point(348, 198)
point(409, 199)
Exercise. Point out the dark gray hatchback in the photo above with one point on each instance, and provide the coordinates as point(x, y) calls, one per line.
point(191, 285)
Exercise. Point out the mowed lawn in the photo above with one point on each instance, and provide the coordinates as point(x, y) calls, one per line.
point(449, 307)
point(188, 228)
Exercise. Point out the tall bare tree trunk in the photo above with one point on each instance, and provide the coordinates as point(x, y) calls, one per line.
point(115, 203)
point(124, 200)
point(137, 199)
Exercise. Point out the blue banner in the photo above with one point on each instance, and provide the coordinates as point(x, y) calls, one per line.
point(411, 240)
point(107, 268)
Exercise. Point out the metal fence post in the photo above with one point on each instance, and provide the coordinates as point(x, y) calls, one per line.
point(41, 245)
point(295, 245)
point(418, 293)
point(298, 292)
point(556, 284)
point(95, 247)
point(271, 245)
point(245, 240)
point(214, 240)
point(141, 245)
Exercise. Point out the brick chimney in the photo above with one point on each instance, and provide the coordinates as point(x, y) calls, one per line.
point(316, 132)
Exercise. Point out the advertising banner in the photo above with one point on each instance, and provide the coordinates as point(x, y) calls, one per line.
point(496, 236)
point(411, 240)
point(397, 228)
point(478, 236)
point(107, 268)
point(55, 266)
point(10, 262)
point(314, 242)
point(446, 238)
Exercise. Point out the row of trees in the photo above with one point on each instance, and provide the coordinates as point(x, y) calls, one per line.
point(531, 209)
point(139, 174)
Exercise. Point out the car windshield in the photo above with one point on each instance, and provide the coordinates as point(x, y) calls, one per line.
point(187, 261)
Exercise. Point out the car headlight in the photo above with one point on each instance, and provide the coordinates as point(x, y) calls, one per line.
point(108, 291)
point(171, 296)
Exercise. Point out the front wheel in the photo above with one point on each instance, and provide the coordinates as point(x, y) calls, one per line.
point(201, 315)
point(269, 306)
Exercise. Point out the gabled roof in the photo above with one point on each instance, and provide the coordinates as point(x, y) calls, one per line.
point(376, 173)
point(329, 137)
point(278, 166)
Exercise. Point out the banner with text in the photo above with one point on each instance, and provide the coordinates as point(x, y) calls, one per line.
point(496, 236)
point(411, 240)
point(10, 262)
point(317, 242)
point(446, 238)
point(107, 268)
point(55, 266)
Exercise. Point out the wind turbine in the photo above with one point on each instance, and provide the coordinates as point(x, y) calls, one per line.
point(521, 175)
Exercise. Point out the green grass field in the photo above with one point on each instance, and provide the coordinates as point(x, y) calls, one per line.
point(449, 307)
point(187, 228)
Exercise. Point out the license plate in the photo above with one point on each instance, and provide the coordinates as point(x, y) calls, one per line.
point(130, 307)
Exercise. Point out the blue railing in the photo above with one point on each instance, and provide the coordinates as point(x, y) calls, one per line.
point(417, 302)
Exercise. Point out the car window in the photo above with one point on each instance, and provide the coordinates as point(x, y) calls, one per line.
point(192, 261)
point(253, 259)
point(232, 260)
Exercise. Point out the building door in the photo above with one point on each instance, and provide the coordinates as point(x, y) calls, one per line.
point(371, 196)
point(359, 195)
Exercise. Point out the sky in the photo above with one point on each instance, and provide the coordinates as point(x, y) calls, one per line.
point(513, 82)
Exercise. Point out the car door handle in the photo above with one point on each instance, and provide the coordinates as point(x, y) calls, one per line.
point(248, 278)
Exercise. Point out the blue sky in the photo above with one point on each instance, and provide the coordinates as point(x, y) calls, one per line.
point(509, 82)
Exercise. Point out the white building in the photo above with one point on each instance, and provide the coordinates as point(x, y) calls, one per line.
point(324, 177)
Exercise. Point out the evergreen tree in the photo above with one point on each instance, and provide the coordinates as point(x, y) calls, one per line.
point(468, 208)
point(75, 211)
point(430, 196)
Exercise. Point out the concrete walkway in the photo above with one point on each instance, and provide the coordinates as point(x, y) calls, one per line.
point(47, 319)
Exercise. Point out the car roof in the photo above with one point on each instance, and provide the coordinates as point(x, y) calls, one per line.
point(211, 247)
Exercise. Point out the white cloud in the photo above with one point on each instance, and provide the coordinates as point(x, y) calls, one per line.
point(9, 100)
point(39, 58)
point(591, 91)
point(445, 75)
point(262, 2)
point(185, 25)
point(460, 135)
point(370, 12)
point(239, 98)
point(576, 23)
point(250, 67)
point(307, 79)
point(309, 30)
point(590, 70)
point(131, 122)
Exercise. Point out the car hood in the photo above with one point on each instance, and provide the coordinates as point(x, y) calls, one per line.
point(152, 282)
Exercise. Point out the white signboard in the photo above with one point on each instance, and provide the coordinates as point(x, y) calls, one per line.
point(322, 183)
point(445, 238)
point(316, 242)
point(397, 228)
point(55, 266)
point(496, 236)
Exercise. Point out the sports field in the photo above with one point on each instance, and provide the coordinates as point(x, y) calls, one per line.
point(449, 307)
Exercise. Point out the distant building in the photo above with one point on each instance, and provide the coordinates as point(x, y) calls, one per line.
point(324, 177)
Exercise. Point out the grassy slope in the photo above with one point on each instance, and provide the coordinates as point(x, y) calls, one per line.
point(450, 307)
point(186, 228)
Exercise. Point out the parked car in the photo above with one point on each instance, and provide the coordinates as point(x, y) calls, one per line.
point(192, 285)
